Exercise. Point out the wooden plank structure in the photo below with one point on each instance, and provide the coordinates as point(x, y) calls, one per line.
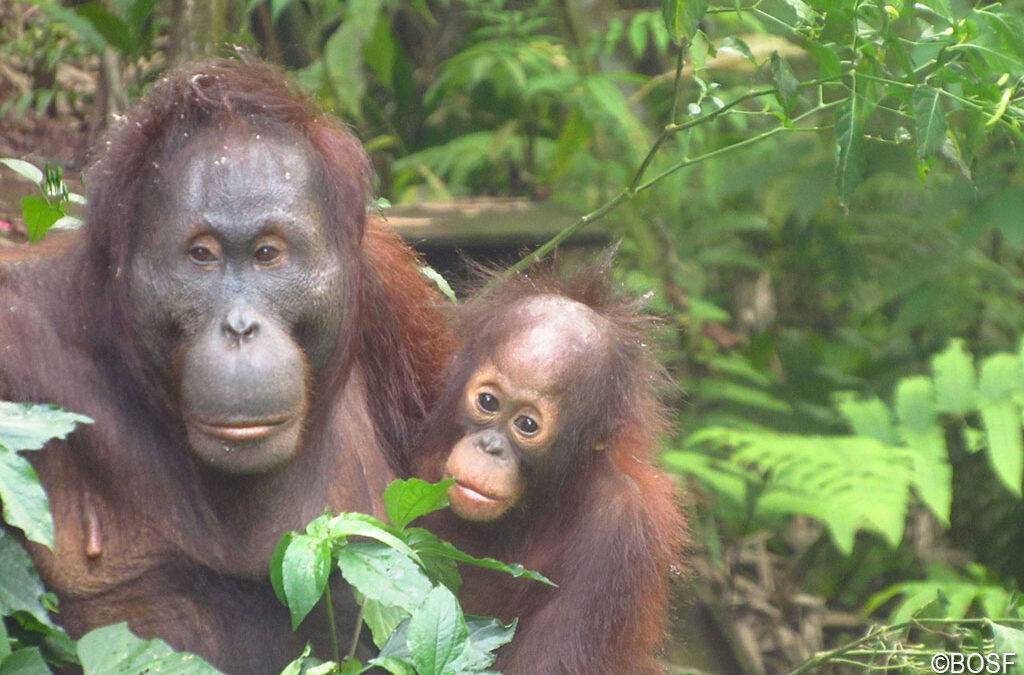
point(492, 231)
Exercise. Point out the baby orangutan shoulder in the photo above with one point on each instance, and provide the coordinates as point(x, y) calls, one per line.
point(547, 427)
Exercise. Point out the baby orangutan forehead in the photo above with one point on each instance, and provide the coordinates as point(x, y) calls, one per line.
point(556, 336)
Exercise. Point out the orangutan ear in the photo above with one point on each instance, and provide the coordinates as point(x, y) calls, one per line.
point(600, 446)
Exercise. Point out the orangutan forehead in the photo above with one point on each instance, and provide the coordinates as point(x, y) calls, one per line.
point(556, 335)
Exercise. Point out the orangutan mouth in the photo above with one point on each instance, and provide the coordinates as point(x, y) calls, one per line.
point(242, 431)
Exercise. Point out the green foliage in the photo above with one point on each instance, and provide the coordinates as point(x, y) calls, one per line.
point(114, 649)
point(49, 209)
point(25, 426)
point(862, 482)
point(403, 578)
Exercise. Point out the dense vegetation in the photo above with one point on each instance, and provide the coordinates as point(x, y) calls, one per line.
point(825, 201)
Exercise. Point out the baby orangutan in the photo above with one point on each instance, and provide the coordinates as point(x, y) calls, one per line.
point(547, 427)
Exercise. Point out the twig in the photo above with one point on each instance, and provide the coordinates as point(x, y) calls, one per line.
point(332, 626)
point(355, 634)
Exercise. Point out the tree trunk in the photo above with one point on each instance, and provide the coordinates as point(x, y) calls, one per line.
point(197, 28)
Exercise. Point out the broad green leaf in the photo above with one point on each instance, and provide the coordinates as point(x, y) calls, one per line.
point(407, 500)
point(932, 475)
point(1009, 641)
point(681, 17)
point(24, 501)
point(929, 121)
point(437, 634)
point(803, 12)
point(786, 84)
point(953, 373)
point(637, 34)
point(26, 426)
point(26, 661)
point(484, 636)
point(739, 46)
point(428, 544)
point(24, 169)
point(384, 574)
point(915, 404)
point(363, 525)
point(276, 560)
point(382, 619)
point(39, 216)
point(439, 281)
point(868, 417)
point(114, 649)
point(305, 570)
point(849, 147)
point(1002, 422)
point(113, 29)
point(343, 54)
point(21, 589)
point(1001, 378)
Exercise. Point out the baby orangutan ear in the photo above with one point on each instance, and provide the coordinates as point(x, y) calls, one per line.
point(601, 446)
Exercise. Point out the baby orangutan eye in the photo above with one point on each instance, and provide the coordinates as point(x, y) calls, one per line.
point(527, 425)
point(487, 402)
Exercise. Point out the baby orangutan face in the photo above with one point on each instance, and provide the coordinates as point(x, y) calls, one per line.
point(511, 406)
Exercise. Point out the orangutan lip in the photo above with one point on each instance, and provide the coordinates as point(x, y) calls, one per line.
point(242, 431)
point(473, 493)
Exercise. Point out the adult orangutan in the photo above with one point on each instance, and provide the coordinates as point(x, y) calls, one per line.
point(252, 348)
point(547, 427)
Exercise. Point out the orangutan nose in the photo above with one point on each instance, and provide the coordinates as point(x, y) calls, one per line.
point(240, 324)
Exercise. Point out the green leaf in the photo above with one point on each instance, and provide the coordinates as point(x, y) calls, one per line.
point(384, 574)
point(27, 661)
point(21, 589)
point(803, 12)
point(382, 619)
point(786, 84)
point(637, 34)
point(437, 634)
point(276, 561)
point(276, 7)
point(343, 54)
point(363, 525)
point(113, 29)
point(1001, 378)
point(39, 216)
point(1009, 640)
point(25, 505)
point(929, 120)
point(304, 572)
point(849, 147)
point(428, 544)
point(915, 403)
point(1002, 422)
point(870, 417)
point(27, 426)
point(439, 281)
point(740, 47)
point(953, 372)
point(114, 649)
point(24, 169)
point(682, 17)
point(393, 665)
point(407, 500)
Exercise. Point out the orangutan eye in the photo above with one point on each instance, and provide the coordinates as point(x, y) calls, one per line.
point(527, 425)
point(267, 254)
point(202, 255)
point(487, 402)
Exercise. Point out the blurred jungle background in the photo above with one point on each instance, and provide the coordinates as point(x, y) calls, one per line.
point(823, 199)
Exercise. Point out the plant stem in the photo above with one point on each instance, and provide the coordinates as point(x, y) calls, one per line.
point(355, 634)
point(332, 625)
